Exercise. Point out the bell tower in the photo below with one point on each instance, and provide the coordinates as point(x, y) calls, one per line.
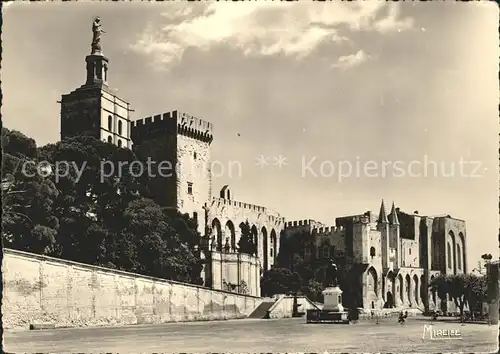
point(93, 108)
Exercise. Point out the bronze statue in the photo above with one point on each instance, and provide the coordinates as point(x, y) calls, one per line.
point(331, 274)
point(96, 36)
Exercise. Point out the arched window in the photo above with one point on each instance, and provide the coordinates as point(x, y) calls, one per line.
point(449, 255)
point(119, 143)
point(459, 259)
point(110, 123)
point(372, 252)
point(110, 140)
point(120, 127)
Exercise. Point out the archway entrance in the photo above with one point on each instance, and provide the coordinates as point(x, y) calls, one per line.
point(390, 300)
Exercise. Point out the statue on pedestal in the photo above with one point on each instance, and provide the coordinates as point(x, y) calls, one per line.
point(96, 36)
point(331, 276)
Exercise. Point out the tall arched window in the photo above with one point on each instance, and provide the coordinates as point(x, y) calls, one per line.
point(110, 140)
point(120, 127)
point(119, 143)
point(110, 123)
point(459, 259)
point(449, 255)
point(372, 252)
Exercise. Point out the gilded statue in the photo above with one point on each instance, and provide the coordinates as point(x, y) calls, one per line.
point(96, 36)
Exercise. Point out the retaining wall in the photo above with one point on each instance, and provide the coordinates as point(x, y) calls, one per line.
point(40, 289)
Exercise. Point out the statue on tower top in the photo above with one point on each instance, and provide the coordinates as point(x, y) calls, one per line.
point(96, 36)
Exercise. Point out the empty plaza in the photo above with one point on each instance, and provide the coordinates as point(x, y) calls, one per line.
point(284, 335)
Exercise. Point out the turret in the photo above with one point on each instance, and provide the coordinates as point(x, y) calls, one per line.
point(394, 232)
point(393, 216)
point(361, 239)
point(383, 227)
point(382, 215)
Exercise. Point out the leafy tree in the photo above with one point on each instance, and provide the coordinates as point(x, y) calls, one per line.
point(313, 290)
point(291, 253)
point(90, 214)
point(463, 289)
point(246, 244)
point(91, 200)
point(28, 221)
point(187, 229)
point(280, 281)
point(15, 143)
point(476, 291)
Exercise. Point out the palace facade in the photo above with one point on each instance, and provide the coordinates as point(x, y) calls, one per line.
point(398, 253)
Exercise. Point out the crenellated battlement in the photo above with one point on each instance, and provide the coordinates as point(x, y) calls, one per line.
point(297, 223)
point(273, 216)
point(172, 122)
point(327, 230)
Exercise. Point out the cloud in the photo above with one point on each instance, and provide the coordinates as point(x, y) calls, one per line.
point(265, 28)
point(392, 21)
point(351, 60)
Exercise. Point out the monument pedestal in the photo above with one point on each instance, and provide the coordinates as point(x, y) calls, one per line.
point(333, 311)
point(333, 299)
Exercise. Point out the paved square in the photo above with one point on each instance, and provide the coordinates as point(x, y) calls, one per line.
point(286, 335)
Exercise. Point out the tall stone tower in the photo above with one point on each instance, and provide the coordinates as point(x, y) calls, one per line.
point(94, 109)
point(361, 239)
point(179, 147)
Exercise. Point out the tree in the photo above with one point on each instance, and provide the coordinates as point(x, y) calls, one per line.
point(16, 144)
point(463, 289)
point(94, 212)
point(187, 229)
point(246, 244)
point(91, 199)
point(476, 291)
point(280, 281)
point(313, 290)
point(28, 221)
point(291, 253)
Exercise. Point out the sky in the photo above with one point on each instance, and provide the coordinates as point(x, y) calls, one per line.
point(307, 86)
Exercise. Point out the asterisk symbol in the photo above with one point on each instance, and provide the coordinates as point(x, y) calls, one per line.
point(262, 161)
point(280, 161)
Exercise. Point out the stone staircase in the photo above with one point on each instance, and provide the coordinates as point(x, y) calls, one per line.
point(262, 310)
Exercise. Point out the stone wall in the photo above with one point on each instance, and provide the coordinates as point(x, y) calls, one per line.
point(193, 177)
point(238, 270)
point(40, 289)
point(226, 217)
point(450, 234)
point(410, 253)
